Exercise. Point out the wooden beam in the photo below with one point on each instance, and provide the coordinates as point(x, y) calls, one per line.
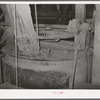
point(80, 12)
point(1, 70)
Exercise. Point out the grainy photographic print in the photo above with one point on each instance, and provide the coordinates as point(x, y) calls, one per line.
point(49, 46)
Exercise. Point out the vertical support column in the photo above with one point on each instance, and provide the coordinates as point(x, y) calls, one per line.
point(58, 7)
point(96, 57)
point(0, 70)
point(80, 12)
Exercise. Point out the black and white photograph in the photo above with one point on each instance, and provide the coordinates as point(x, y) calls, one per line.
point(50, 46)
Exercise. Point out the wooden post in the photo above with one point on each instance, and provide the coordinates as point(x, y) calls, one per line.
point(80, 12)
point(0, 70)
point(96, 57)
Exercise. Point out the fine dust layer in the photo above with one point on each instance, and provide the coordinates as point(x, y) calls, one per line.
point(31, 79)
